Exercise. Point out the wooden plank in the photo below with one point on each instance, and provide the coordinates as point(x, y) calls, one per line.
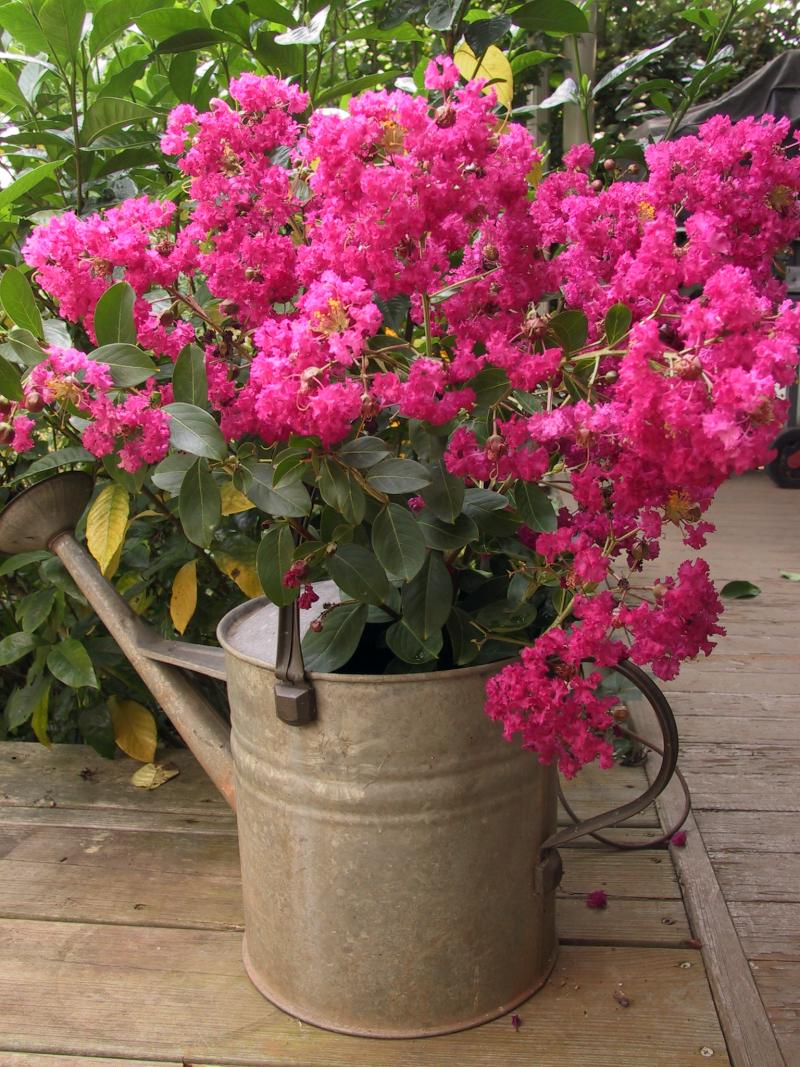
point(779, 983)
point(746, 777)
point(753, 876)
point(123, 992)
point(750, 831)
point(35, 1059)
point(767, 930)
point(764, 731)
point(192, 880)
point(751, 705)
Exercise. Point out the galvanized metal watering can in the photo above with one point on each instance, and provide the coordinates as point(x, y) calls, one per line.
point(399, 858)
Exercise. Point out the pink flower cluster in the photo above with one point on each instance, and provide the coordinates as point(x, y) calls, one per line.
point(303, 231)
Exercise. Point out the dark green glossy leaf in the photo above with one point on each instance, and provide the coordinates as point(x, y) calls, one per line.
point(110, 20)
point(128, 364)
point(632, 63)
point(445, 536)
point(62, 457)
point(191, 429)
point(200, 504)
point(740, 590)
point(113, 316)
point(19, 303)
point(535, 507)
point(340, 489)
point(97, 729)
point(24, 702)
point(398, 542)
point(442, 15)
point(363, 452)
point(273, 559)
point(170, 472)
point(358, 574)
point(491, 385)
point(10, 385)
point(169, 21)
point(617, 323)
point(336, 642)
point(410, 648)
point(444, 497)
point(189, 380)
point(504, 616)
point(462, 635)
point(428, 597)
point(284, 501)
point(109, 113)
point(35, 608)
point(15, 646)
point(69, 662)
point(24, 346)
point(484, 32)
point(182, 70)
point(534, 58)
point(396, 476)
point(570, 329)
point(550, 16)
point(14, 563)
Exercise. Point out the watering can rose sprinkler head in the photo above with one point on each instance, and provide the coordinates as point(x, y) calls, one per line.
point(44, 517)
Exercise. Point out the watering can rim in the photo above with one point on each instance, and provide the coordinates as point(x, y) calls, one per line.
point(259, 603)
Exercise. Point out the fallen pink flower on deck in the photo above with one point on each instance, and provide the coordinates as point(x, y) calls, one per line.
point(516, 1022)
point(597, 899)
point(678, 839)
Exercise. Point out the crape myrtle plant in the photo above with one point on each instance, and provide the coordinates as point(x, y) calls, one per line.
point(470, 395)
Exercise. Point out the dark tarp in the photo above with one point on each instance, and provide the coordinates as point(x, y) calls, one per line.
point(773, 89)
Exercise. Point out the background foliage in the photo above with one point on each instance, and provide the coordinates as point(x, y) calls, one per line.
point(84, 91)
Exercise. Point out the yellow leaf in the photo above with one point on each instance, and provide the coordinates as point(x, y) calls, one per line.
point(493, 67)
point(152, 775)
point(106, 524)
point(40, 717)
point(134, 729)
point(232, 500)
point(244, 574)
point(140, 601)
point(183, 601)
point(112, 566)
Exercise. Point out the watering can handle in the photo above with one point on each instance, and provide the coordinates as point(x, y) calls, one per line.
point(295, 703)
point(548, 870)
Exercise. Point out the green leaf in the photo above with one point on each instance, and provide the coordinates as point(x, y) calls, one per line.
point(10, 384)
point(33, 609)
point(462, 633)
point(200, 504)
point(534, 58)
point(273, 560)
point(791, 576)
point(358, 574)
point(62, 457)
point(445, 536)
point(193, 40)
point(15, 646)
point(411, 648)
point(109, 113)
point(355, 85)
point(26, 702)
point(189, 380)
point(97, 729)
point(182, 71)
point(17, 189)
point(617, 323)
point(479, 35)
point(491, 385)
point(330, 648)
point(167, 22)
point(398, 542)
point(550, 16)
point(442, 15)
point(534, 506)
point(256, 481)
point(18, 21)
point(110, 20)
point(363, 452)
point(566, 93)
point(62, 23)
point(483, 500)
point(310, 34)
point(18, 300)
point(191, 429)
point(171, 471)
point(632, 63)
point(272, 11)
point(444, 496)
point(25, 347)
point(504, 616)
point(427, 599)
point(113, 316)
point(122, 82)
point(394, 476)
point(570, 329)
point(739, 590)
point(69, 662)
point(22, 559)
point(339, 489)
point(128, 364)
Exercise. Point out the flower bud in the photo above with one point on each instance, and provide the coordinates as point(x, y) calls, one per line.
point(315, 625)
point(634, 168)
point(609, 165)
point(445, 116)
point(596, 185)
point(34, 401)
point(496, 446)
point(6, 433)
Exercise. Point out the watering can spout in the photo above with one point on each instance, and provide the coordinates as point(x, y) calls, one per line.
point(44, 516)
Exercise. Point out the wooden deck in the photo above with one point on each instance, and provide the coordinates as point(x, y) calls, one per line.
point(120, 912)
